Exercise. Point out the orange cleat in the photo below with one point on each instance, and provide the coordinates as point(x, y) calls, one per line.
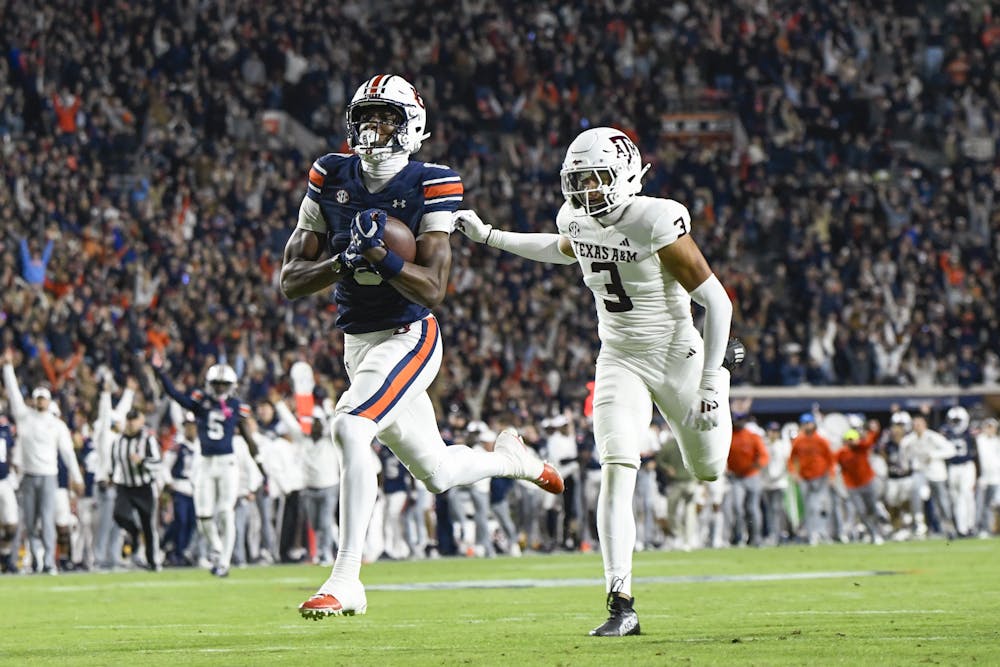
point(322, 605)
point(526, 463)
point(550, 480)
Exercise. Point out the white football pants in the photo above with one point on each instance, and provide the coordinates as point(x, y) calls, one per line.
point(216, 482)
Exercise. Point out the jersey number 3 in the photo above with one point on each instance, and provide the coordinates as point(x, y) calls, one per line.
point(615, 288)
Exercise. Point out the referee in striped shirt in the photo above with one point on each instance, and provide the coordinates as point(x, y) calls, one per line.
point(135, 454)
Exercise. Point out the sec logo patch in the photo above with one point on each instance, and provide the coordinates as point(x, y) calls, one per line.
point(342, 197)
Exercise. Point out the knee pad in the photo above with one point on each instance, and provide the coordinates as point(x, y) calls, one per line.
point(353, 432)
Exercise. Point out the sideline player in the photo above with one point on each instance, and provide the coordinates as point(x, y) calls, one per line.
point(392, 346)
point(219, 415)
point(639, 259)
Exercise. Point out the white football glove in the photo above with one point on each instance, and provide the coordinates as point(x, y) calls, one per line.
point(704, 412)
point(467, 222)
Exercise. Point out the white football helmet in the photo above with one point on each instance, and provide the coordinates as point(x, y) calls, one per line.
point(958, 419)
point(902, 418)
point(220, 380)
point(395, 92)
point(602, 171)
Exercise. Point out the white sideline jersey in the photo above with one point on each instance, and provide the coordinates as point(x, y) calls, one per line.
point(638, 304)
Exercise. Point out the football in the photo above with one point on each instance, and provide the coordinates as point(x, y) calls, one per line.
point(399, 239)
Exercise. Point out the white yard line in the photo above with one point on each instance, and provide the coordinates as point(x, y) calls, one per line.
point(482, 583)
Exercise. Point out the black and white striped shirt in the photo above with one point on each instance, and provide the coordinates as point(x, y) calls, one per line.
point(126, 473)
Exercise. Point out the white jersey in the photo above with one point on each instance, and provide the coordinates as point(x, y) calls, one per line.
point(638, 304)
point(988, 447)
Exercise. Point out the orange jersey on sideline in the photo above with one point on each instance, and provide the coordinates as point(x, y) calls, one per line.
point(812, 455)
point(747, 453)
point(855, 466)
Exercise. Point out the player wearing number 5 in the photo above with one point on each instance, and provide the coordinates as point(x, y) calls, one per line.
point(218, 415)
point(644, 268)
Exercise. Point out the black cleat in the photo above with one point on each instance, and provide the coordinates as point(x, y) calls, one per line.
point(735, 353)
point(623, 620)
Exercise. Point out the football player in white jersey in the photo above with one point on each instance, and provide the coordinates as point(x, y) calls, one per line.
point(392, 346)
point(639, 259)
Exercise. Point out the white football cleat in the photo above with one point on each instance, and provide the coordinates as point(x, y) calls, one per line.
point(526, 463)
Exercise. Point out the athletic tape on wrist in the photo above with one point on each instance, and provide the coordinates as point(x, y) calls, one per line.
point(389, 266)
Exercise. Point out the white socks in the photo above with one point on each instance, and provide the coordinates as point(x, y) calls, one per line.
point(211, 533)
point(461, 465)
point(616, 524)
point(358, 490)
point(227, 520)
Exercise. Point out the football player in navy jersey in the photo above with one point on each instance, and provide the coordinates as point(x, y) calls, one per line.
point(218, 415)
point(962, 470)
point(392, 344)
point(8, 499)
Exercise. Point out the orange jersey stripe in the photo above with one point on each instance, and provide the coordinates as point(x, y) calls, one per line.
point(316, 178)
point(432, 191)
point(406, 374)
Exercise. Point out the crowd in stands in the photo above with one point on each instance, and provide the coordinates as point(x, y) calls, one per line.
point(851, 216)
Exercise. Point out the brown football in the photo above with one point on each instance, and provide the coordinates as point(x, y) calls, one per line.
point(399, 239)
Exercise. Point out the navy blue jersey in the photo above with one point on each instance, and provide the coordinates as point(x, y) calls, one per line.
point(6, 445)
point(182, 464)
point(394, 473)
point(217, 419)
point(965, 447)
point(62, 473)
point(86, 456)
point(897, 467)
point(335, 183)
point(499, 488)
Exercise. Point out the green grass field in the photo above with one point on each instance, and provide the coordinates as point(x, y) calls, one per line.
point(792, 605)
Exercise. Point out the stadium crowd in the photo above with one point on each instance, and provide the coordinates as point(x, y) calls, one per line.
point(851, 216)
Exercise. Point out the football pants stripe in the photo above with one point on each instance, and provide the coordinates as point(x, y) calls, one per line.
point(402, 376)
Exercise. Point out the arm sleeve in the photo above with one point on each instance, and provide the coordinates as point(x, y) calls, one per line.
point(124, 404)
point(47, 254)
point(17, 407)
point(104, 407)
point(436, 221)
point(718, 316)
point(536, 247)
point(65, 446)
point(288, 419)
point(172, 391)
point(311, 216)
